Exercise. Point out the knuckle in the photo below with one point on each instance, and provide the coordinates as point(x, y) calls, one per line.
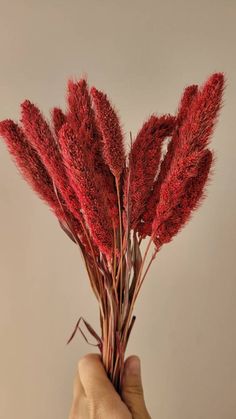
point(134, 390)
point(81, 362)
point(86, 360)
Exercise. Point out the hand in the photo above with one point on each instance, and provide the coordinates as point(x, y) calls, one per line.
point(94, 396)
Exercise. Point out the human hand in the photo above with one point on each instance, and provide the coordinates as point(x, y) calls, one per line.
point(94, 396)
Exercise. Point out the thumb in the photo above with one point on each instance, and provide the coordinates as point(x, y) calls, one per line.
point(132, 389)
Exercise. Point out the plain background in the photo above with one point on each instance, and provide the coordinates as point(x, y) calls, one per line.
point(142, 53)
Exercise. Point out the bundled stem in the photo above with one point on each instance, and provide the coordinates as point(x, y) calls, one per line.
point(107, 203)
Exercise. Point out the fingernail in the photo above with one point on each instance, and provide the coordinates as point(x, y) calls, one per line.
point(133, 366)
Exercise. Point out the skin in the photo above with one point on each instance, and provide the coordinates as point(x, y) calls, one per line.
point(94, 397)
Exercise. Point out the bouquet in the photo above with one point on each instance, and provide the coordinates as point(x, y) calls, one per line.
point(108, 200)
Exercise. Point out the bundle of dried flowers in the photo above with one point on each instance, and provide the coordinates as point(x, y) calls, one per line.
point(108, 202)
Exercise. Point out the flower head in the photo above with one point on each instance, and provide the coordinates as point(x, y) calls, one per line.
point(190, 200)
point(37, 176)
point(112, 137)
point(82, 176)
point(81, 118)
point(144, 159)
point(145, 226)
point(58, 119)
point(40, 137)
point(193, 136)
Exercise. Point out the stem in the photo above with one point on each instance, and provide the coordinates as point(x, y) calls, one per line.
point(135, 290)
point(146, 271)
point(121, 243)
point(114, 265)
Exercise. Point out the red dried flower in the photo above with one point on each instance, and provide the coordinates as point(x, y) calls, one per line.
point(144, 159)
point(190, 200)
point(29, 163)
point(58, 119)
point(80, 111)
point(195, 132)
point(194, 135)
point(83, 179)
point(79, 107)
point(189, 94)
point(109, 125)
point(148, 215)
point(35, 173)
point(41, 138)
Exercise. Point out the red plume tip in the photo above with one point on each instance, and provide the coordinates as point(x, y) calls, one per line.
point(109, 125)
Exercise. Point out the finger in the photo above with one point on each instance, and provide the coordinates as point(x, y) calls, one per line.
point(93, 376)
point(78, 389)
point(132, 389)
point(79, 398)
point(101, 395)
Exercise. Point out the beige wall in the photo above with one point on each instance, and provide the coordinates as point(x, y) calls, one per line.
point(142, 53)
